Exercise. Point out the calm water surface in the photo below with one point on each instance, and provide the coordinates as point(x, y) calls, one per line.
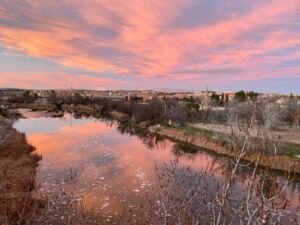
point(112, 169)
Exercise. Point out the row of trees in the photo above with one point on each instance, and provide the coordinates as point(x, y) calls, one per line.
point(190, 110)
point(154, 111)
point(240, 96)
point(26, 97)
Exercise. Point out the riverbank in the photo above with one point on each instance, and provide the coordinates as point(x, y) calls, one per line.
point(202, 138)
point(206, 140)
point(18, 163)
point(62, 211)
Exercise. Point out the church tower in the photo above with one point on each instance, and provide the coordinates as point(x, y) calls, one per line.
point(206, 96)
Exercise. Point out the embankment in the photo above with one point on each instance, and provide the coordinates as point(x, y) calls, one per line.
point(18, 162)
point(278, 162)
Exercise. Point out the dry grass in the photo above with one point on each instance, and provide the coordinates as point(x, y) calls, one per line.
point(18, 163)
point(36, 106)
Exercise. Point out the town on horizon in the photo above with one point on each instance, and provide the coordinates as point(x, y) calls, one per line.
point(217, 98)
point(157, 90)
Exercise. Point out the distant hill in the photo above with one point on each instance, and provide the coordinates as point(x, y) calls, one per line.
point(12, 89)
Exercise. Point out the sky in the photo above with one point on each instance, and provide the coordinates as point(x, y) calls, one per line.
point(153, 44)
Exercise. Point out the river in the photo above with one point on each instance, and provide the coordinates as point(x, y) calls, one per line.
point(109, 170)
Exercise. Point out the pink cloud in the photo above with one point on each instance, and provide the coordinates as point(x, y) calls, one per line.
point(271, 74)
point(137, 38)
point(56, 80)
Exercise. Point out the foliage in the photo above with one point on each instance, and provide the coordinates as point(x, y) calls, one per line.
point(193, 106)
point(240, 96)
point(252, 95)
point(26, 97)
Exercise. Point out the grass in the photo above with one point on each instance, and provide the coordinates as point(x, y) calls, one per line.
point(290, 149)
point(209, 134)
point(36, 106)
point(195, 131)
point(18, 163)
point(287, 148)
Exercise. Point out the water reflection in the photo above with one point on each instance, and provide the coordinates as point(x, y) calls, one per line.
point(113, 162)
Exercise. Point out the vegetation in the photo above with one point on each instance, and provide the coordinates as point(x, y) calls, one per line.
point(18, 162)
point(183, 196)
point(240, 96)
point(290, 149)
point(152, 112)
point(9, 114)
point(26, 97)
point(251, 127)
point(268, 115)
point(196, 131)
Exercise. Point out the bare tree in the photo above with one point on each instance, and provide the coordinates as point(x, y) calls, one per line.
point(260, 201)
point(271, 115)
point(255, 207)
point(294, 110)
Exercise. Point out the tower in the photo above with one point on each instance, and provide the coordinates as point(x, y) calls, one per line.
point(206, 93)
point(206, 96)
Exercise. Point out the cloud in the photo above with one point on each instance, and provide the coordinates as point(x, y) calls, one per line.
point(53, 80)
point(156, 38)
point(225, 70)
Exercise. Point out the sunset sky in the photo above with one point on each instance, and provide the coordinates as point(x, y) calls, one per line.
point(137, 44)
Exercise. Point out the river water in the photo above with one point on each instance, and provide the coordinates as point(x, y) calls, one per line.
point(111, 169)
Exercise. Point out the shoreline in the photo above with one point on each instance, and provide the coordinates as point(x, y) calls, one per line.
point(278, 162)
point(18, 163)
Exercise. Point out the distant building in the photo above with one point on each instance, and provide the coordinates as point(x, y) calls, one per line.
point(281, 101)
point(134, 98)
point(111, 98)
point(229, 95)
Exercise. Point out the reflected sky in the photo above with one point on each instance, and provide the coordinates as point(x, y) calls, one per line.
point(112, 169)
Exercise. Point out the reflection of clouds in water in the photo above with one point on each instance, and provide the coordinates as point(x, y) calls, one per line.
point(35, 123)
point(108, 165)
point(112, 187)
point(112, 170)
point(105, 159)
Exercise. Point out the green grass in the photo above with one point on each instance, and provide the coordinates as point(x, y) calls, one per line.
point(290, 149)
point(196, 131)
